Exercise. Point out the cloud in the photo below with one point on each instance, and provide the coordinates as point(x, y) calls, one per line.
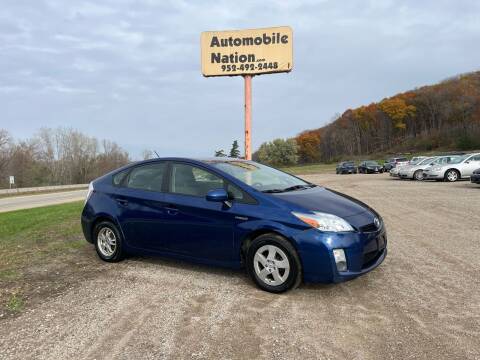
point(131, 68)
point(86, 65)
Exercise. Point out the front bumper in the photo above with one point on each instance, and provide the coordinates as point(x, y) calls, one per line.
point(475, 178)
point(364, 252)
point(405, 174)
point(348, 171)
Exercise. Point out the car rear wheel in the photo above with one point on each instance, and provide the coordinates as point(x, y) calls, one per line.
point(273, 263)
point(418, 175)
point(452, 175)
point(108, 242)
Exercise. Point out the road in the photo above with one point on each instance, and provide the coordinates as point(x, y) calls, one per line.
point(423, 302)
point(30, 201)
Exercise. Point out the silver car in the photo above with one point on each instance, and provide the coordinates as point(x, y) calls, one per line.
point(415, 171)
point(415, 160)
point(461, 167)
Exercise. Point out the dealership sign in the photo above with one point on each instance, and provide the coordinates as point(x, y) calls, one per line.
point(247, 52)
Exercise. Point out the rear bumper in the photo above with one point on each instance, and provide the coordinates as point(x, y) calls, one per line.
point(87, 224)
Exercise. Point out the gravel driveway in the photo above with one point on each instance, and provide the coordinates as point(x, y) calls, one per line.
point(422, 303)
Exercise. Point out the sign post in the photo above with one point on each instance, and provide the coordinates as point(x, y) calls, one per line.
point(247, 53)
point(248, 116)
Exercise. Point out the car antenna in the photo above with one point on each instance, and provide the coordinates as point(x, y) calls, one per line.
point(158, 156)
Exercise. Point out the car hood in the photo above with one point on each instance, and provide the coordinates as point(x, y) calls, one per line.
point(323, 200)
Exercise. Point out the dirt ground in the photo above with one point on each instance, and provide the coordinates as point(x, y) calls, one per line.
point(422, 303)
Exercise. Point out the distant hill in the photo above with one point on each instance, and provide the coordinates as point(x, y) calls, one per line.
point(445, 116)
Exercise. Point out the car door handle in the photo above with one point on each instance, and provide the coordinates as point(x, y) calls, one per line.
point(122, 202)
point(171, 210)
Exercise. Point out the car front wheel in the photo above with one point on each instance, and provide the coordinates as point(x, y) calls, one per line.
point(418, 175)
point(108, 242)
point(452, 175)
point(273, 263)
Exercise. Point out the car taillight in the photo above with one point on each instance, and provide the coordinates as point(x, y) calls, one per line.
point(90, 192)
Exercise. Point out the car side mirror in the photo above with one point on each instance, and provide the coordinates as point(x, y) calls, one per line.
point(217, 195)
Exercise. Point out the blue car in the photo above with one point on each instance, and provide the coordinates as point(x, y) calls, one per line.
point(233, 213)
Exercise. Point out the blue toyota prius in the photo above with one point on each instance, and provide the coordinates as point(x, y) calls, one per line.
point(234, 213)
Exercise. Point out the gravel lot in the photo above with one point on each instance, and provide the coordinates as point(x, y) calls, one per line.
point(422, 303)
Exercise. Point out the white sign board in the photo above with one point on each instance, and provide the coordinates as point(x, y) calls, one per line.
point(12, 180)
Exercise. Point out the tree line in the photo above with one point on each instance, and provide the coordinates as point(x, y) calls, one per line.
point(57, 157)
point(444, 116)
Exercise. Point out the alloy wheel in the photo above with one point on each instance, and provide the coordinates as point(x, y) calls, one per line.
point(107, 242)
point(452, 175)
point(271, 265)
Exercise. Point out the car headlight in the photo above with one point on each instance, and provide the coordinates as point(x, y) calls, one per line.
point(324, 222)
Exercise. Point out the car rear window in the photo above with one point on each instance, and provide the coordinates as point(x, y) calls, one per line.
point(147, 177)
point(118, 177)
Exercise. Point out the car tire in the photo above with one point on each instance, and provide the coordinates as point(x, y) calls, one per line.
point(418, 175)
point(108, 242)
point(451, 175)
point(268, 276)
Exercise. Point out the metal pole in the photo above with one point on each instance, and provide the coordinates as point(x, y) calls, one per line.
point(248, 116)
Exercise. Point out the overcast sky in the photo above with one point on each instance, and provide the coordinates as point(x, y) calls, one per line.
point(129, 71)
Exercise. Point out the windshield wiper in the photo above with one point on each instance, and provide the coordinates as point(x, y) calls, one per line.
point(299, 187)
point(291, 188)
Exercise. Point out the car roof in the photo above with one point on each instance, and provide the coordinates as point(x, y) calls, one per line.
point(193, 160)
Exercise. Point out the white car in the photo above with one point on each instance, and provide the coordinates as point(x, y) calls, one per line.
point(462, 167)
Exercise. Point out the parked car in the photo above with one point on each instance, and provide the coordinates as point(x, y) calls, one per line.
point(461, 167)
point(415, 172)
point(346, 167)
point(413, 161)
point(392, 162)
point(370, 167)
point(234, 213)
point(475, 178)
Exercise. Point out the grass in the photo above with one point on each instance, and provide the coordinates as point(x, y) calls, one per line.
point(15, 303)
point(32, 240)
point(19, 223)
point(310, 169)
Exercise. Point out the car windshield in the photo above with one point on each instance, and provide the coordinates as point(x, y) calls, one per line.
point(349, 163)
point(371, 163)
point(426, 161)
point(260, 177)
point(416, 161)
point(459, 159)
point(445, 160)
